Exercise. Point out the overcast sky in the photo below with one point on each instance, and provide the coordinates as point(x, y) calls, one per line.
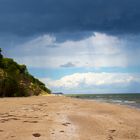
point(75, 46)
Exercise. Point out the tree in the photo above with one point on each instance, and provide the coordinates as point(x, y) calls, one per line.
point(8, 87)
point(23, 69)
point(1, 56)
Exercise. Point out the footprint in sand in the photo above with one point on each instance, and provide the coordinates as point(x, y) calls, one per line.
point(66, 124)
point(14, 119)
point(46, 115)
point(31, 121)
point(112, 131)
point(36, 134)
point(4, 120)
point(7, 117)
point(62, 131)
point(35, 117)
point(110, 137)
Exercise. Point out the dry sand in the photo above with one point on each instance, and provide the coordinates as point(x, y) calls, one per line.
point(63, 118)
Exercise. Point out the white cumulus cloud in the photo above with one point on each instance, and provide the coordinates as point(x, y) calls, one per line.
point(78, 80)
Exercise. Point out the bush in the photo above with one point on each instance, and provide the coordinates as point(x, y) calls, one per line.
point(8, 87)
point(1, 56)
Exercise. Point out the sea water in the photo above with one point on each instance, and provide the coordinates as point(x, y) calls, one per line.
point(124, 99)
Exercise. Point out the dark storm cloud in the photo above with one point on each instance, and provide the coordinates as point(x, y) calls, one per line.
point(67, 65)
point(28, 17)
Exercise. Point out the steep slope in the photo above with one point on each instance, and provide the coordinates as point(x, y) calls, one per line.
point(15, 80)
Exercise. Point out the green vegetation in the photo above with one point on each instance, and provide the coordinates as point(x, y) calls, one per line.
point(15, 81)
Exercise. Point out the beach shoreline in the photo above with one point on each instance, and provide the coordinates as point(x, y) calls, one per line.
point(65, 118)
point(111, 103)
point(130, 100)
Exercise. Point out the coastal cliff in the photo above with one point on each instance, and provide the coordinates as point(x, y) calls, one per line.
point(16, 81)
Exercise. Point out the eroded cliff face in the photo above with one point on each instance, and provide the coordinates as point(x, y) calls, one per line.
point(15, 80)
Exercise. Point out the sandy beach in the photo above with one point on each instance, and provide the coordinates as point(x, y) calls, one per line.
point(63, 118)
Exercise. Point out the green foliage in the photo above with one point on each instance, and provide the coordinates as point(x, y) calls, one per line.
point(8, 87)
point(23, 69)
point(16, 81)
point(1, 56)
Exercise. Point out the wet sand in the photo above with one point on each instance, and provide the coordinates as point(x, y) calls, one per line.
point(63, 118)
